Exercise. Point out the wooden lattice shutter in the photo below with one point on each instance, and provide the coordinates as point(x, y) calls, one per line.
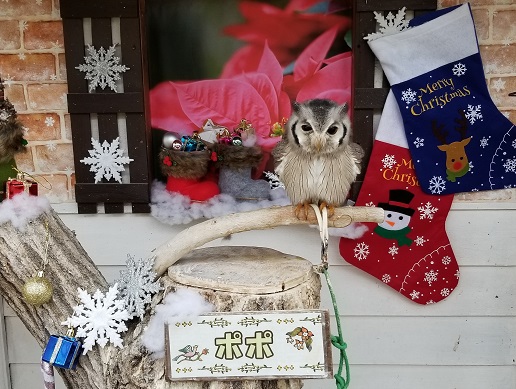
point(369, 98)
point(101, 23)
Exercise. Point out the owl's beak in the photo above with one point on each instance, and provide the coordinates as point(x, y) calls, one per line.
point(318, 143)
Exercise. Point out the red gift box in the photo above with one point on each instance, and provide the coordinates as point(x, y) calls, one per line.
point(20, 184)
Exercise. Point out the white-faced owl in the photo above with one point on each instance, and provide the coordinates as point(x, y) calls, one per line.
point(315, 159)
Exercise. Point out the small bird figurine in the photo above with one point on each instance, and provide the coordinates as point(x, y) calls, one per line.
point(315, 160)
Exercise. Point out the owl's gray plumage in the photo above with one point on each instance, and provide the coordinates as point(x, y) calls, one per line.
point(315, 159)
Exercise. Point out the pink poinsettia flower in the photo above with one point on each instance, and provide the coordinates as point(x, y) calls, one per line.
point(331, 5)
point(256, 96)
point(287, 32)
point(315, 76)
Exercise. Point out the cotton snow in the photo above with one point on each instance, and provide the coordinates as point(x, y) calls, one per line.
point(174, 208)
point(22, 208)
point(184, 304)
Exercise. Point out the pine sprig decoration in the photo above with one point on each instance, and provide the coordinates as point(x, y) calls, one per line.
point(11, 130)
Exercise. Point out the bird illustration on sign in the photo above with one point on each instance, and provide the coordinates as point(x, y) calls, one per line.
point(190, 353)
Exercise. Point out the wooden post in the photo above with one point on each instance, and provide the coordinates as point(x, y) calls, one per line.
point(285, 282)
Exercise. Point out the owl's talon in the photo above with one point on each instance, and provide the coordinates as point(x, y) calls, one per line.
point(330, 207)
point(301, 211)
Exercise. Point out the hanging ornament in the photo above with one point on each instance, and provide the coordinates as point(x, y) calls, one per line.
point(38, 290)
point(171, 138)
point(63, 351)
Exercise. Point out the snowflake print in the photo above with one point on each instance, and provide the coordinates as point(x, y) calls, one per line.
point(510, 165)
point(427, 211)
point(361, 251)
point(513, 144)
point(370, 204)
point(445, 292)
point(388, 161)
point(420, 240)
point(457, 274)
point(99, 318)
point(8, 80)
point(415, 295)
point(51, 146)
point(22, 56)
point(484, 142)
point(437, 185)
point(386, 278)
point(102, 68)
point(446, 260)
point(39, 2)
point(49, 121)
point(507, 41)
point(390, 24)
point(408, 96)
point(474, 113)
point(56, 45)
point(137, 285)
point(499, 85)
point(430, 277)
point(459, 69)
point(419, 142)
point(430, 302)
point(106, 160)
point(393, 250)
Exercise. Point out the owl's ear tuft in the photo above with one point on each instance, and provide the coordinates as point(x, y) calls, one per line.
point(295, 106)
point(343, 109)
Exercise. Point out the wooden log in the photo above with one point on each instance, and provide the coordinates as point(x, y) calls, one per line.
point(244, 278)
point(197, 235)
point(69, 267)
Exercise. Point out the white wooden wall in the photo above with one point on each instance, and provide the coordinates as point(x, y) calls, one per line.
point(467, 341)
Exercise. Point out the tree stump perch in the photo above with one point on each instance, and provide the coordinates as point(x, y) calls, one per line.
point(69, 267)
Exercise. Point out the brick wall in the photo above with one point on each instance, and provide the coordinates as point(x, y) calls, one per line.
point(32, 63)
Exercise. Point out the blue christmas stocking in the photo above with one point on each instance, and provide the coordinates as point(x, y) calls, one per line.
point(458, 139)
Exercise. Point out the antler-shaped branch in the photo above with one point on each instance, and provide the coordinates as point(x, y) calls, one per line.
point(202, 233)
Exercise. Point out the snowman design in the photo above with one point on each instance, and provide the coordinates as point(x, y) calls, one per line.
point(397, 217)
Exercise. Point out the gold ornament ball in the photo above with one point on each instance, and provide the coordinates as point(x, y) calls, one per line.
point(37, 290)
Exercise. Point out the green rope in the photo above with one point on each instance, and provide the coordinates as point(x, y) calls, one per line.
point(338, 341)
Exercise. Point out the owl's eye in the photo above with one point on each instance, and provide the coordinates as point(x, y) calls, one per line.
point(306, 127)
point(332, 130)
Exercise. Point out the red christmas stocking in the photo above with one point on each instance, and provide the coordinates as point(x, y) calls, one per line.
point(409, 251)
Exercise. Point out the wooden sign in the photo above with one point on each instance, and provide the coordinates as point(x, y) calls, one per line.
point(250, 345)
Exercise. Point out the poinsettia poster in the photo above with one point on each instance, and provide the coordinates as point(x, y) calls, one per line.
point(229, 59)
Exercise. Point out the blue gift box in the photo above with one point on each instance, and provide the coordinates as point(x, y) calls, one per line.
point(62, 351)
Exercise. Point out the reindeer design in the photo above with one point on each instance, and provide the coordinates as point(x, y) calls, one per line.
point(457, 164)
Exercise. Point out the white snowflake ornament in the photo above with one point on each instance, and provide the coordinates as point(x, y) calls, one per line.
point(389, 25)
point(106, 160)
point(137, 285)
point(99, 319)
point(102, 68)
